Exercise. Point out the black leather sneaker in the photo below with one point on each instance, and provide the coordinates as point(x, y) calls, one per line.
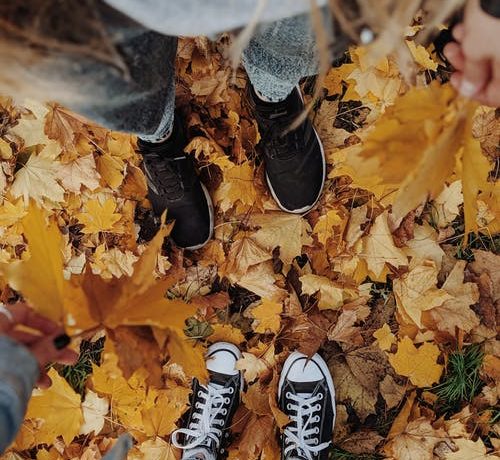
point(173, 184)
point(294, 160)
point(207, 424)
point(306, 394)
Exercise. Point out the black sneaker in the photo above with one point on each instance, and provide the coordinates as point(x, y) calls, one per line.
point(306, 394)
point(206, 430)
point(174, 185)
point(294, 160)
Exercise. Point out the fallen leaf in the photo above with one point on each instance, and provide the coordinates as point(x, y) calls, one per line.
point(385, 338)
point(379, 249)
point(60, 409)
point(78, 173)
point(418, 364)
point(267, 317)
point(331, 296)
point(94, 411)
point(99, 217)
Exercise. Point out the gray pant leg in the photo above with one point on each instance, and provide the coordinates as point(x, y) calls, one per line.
point(141, 102)
point(280, 54)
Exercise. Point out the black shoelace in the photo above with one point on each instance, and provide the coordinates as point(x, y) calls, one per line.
point(165, 173)
point(281, 142)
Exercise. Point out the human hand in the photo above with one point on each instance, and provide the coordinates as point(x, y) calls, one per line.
point(42, 337)
point(476, 55)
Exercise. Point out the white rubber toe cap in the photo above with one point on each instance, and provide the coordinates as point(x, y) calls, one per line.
point(222, 357)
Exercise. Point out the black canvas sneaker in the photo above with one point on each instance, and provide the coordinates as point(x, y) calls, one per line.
point(306, 394)
point(207, 425)
point(174, 185)
point(294, 160)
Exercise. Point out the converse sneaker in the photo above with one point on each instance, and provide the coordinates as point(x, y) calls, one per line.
point(294, 160)
point(206, 430)
point(174, 185)
point(307, 396)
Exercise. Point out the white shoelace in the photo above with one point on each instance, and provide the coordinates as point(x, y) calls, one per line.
point(300, 435)
point(211, 400)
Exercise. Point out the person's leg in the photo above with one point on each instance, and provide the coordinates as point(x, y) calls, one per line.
point(276, 59)
point(280, 54)
point(122, 76)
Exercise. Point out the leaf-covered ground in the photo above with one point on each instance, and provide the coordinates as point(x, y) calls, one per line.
point(378, 278)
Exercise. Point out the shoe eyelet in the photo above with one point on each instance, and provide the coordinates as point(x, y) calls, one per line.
point(227, 400)
point(288, 406)
point(231, 390)
point(318, 407)
point(223, 411)
point(200, 394)
point(320, 396)
point(316, 430)
point(317, 418)
point(288, 394)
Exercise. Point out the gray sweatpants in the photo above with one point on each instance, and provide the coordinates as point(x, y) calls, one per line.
point(277, 57)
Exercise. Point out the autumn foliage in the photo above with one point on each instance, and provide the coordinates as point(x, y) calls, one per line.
point(392, 271)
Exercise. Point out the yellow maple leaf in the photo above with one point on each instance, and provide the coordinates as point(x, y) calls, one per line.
point(421, 55)
point(226, 333)
point(161, 422)
point(267, 316)
point(331, 296)
point(237, 187)
point(12, 212)
point(98, 217)
point(81, 171)
point(153, 449)
point(324, 228)
point(475, 172)
point(385, 338)
point(40, 277)
point(60, 409)
point(419, 365)
point(187, 354)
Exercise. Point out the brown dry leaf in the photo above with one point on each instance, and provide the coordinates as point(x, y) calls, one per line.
point(267, 317)
point(362, 442)
point(416, 441)
point(134, 187)
point(418, 364)
point(391, 391)
point(253, 439)
point(446, 205)
point(256, 399)
point(344, 330)
point(468, 450)
point(349, 388)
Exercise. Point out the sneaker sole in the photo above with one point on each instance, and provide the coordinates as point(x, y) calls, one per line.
point(211, 217)
point(323, 159)
point(292, 358)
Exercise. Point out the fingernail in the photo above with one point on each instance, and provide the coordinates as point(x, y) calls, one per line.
point(62, 341)
point(467, 88)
